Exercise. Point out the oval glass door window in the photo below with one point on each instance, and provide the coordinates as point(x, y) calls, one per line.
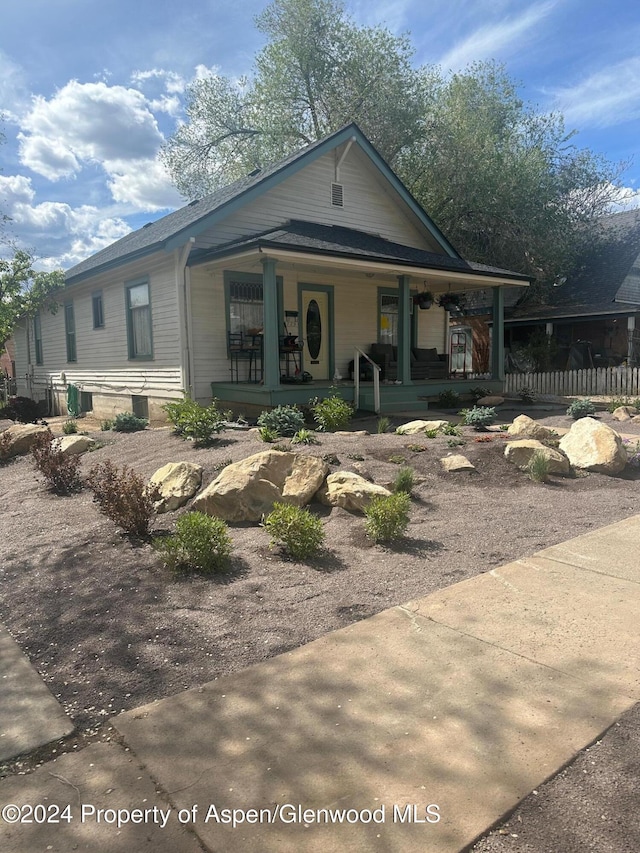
point(314, 329)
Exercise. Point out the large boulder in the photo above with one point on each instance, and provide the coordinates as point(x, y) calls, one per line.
point(624, 413)
point(349, 491)
point(520, 452)
point(246, 490)
point(525, 427)
point(594, 446)
point(21, 438)
point(74, 445)
point(176, 483)
point(416, 427)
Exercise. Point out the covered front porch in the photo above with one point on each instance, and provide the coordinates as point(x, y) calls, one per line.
point(295, 319)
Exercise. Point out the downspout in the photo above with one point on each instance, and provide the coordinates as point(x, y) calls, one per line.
point(182, 288)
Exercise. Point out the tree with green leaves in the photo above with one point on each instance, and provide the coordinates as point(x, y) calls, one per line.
point(318, 72)
point(504, 182)
point(24, 291)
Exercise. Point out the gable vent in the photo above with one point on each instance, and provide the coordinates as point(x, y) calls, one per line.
point(337, 195)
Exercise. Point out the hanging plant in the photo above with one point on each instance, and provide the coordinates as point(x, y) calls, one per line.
point(423, 300)
point(452, 302)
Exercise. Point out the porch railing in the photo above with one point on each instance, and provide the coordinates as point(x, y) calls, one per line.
point(595, 381)
point(356, 379)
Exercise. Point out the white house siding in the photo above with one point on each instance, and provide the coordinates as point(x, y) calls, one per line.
point(370, 204)
point(103, 367)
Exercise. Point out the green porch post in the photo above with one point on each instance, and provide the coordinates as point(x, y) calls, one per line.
point(404, 330)
point(270, 332)
point(497, 338)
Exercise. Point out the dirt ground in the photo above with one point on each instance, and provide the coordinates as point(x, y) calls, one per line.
point(109, 629)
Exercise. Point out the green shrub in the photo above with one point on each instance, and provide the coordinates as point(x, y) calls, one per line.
point(387, 518)
point(538, 467)
point(432, 433)
point(404, 480)
point(70, 427)
point(527, 395)
point(123, 497)
point(417, 448)
point(450, 429)
point(397, 459)
point(448, 399)
point(299, 532)
point(60, 472)
point(304, 436)
point(383, 425)
point(455, 442)
point(201, 543)
point(581, 409)
point(478, 392)
point(267, 434)
point(480, 417)
point(106, 425)
point(332, 413)
point(616, 402)
point(192, 421)
point(22, 410)
point(128, 422)
point(286, 421)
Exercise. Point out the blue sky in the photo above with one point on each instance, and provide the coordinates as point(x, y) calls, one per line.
point(89, 89)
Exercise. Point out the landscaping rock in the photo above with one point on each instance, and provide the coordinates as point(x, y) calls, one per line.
point(525, 427)
point(520, 453)
point(491, 400)
point(457, 462)
point(361, 469)
point(625, 413)
point(21, 438)
point(74, 445)
point(415, 427)
point(349, 491)
point(177, 483)
point(347, 432)
point(246, 490)
point(594, 446)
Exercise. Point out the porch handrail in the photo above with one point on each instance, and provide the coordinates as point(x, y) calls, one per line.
point(356, 380)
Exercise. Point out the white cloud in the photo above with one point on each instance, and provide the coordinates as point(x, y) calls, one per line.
point(607, 98)
point(495, 39)
point(13, 90)
point(144, 185)
point(61, 234)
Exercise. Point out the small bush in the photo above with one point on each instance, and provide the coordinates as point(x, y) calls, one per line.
point(201, 543)
point(404, 481)
point(616, 402)
point(330, 459)
point(455, 442)
point(448, 399)
point(192, 421)
point(123, 497)
point(397, 459)
point(22, 410)
point(417, 448)
point(480, 417)
point(267, 434)
point(299, 532)
point(70, 427)
point(581, 409)
point(5, 442)
point(387, 518)
point(432, 433)
point(304, 436)
point(286, 421)
point(128, 422)
point(383, 425)
point(60, 472)
point(538, 467)
point(527, 395)
point(332, 413)
point(105, 426)
point(450, 429)
point(478, 392)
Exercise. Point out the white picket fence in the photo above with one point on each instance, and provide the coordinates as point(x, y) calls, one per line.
point(597, 381)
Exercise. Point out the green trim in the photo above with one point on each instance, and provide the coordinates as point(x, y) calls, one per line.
point(320, 288)
point(128, 286)
point(70, 332)
point(37, 338)
point(497, 335)
point(394, 291)
point(97, 299)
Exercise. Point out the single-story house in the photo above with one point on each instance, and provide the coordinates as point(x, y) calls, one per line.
point(593, 317)
point(261, 294)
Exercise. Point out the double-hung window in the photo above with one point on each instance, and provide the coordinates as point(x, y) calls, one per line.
point(70, 331)
point(37, 337)
point(139, 329)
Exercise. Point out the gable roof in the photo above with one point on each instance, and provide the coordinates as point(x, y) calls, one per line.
point(338, 241)
point(608, 282)
point(173, 230)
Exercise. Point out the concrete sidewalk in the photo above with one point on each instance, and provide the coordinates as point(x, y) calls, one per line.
point(429, 720)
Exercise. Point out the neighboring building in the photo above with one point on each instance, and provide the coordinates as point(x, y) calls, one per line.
point(593, 318)
point(243, 294)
